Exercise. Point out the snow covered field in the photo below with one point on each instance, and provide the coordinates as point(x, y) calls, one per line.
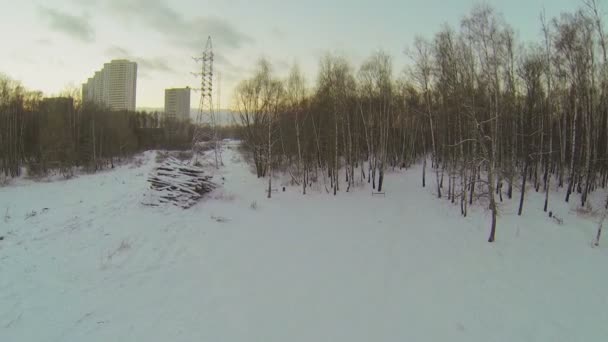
point(93, 264)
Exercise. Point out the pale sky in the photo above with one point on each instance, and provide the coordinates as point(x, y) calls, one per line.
point(48, 45)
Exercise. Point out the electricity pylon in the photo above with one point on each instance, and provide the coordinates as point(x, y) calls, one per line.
point(206, 125)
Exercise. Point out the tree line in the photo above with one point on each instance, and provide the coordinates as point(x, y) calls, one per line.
point(63, 134)
point(481, 111)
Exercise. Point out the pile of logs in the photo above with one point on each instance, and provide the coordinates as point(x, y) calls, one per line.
point(177, 183)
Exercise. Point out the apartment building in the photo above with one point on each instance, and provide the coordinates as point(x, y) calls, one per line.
point(114, 86)
point(177, 103)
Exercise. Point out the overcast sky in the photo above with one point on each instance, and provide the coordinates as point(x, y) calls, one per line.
point(50, 44)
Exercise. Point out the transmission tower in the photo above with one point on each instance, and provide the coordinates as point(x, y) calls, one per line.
point(206, 125)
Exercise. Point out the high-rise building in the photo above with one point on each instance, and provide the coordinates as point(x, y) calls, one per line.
point(62, 106)
point(177, 103)
point(114, 86)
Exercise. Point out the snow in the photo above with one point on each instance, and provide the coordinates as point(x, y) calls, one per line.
point(97, 265)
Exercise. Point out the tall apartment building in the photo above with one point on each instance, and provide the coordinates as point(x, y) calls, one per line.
point(177, 103)
point(62, 106)
point(115, 85)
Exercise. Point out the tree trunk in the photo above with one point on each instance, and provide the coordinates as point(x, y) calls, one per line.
point(523, 188)
point(269, 161)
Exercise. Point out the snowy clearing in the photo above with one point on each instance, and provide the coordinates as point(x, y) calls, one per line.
point(84, 260)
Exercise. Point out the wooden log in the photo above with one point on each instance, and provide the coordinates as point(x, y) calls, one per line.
point(180, 184)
